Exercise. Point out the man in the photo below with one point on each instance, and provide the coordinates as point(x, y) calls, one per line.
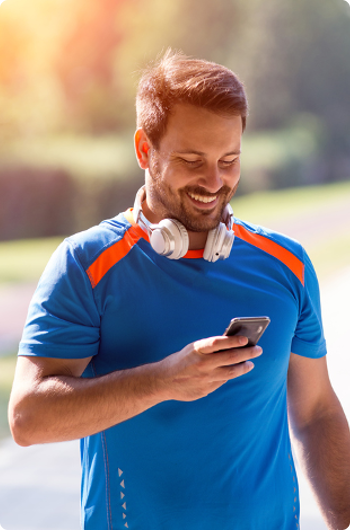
point(180, 431)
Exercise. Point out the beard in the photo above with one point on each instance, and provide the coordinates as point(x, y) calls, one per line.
point(176, 205)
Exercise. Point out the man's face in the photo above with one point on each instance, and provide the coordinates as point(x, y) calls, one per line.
point(196, 170)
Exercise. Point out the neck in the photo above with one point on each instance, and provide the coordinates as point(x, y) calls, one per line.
point(197, 240)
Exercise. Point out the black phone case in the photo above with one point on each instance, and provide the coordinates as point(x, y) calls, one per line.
point(250, 327)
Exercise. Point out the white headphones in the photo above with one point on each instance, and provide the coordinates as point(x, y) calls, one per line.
point(170, 238)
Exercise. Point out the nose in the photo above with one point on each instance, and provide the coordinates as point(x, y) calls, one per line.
point(211, 179)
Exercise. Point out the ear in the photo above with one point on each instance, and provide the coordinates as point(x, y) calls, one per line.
point(142, 147)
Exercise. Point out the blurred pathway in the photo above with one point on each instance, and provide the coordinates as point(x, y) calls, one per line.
point(40, 485)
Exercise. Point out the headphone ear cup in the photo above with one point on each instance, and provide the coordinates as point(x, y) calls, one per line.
point(219, 243)
point(170, 239)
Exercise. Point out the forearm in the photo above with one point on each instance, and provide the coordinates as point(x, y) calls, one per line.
point(324, 452)
point(61, 408)
point(51, 403)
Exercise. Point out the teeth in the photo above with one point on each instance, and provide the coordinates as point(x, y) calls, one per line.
point(202, 198)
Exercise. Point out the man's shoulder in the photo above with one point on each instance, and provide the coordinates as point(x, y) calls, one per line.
point(270, 244)
point(91, 243)
point(261, 235)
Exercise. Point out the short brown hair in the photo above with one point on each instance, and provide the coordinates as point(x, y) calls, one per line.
point(177, 78)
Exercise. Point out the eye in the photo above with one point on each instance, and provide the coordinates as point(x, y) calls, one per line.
point(228, 163)
point(192, 163)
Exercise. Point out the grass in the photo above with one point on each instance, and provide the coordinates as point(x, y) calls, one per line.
point(267, 206)
point(24, 260)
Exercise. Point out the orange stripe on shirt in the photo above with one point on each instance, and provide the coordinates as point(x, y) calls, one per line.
point(111, 256)
point(119, 250)
point(272, 248)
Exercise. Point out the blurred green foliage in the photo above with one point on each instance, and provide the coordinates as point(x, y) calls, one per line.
point(68, 75)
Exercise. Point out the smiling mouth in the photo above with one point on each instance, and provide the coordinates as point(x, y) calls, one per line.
point(202, 198)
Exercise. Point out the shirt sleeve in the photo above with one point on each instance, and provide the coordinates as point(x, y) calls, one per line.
point(309, 338)
point(63, 320)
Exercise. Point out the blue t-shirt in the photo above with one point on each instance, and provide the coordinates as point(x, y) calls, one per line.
point(220, 462)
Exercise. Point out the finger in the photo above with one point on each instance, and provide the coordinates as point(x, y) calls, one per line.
point(222, 342)
point(226, 373)
point(231, 357)
point(238, 355)
point(237, 370)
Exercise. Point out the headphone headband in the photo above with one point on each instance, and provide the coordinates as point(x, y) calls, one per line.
point(138, 214)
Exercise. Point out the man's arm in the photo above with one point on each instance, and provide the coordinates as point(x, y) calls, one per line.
point(50, 402)
point(322, 437)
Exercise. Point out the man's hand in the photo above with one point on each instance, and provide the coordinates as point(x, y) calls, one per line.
point(205, 365)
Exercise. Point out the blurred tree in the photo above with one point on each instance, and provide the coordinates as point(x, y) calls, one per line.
point(77, 59)
point(30, 97)
point(85, 66)
point(299, 64)
point(149, 28)
point(71, 66)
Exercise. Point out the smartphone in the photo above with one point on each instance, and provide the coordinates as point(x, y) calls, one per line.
point(250, 327)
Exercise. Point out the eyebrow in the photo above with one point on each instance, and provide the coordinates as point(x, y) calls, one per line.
point(200, 153)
